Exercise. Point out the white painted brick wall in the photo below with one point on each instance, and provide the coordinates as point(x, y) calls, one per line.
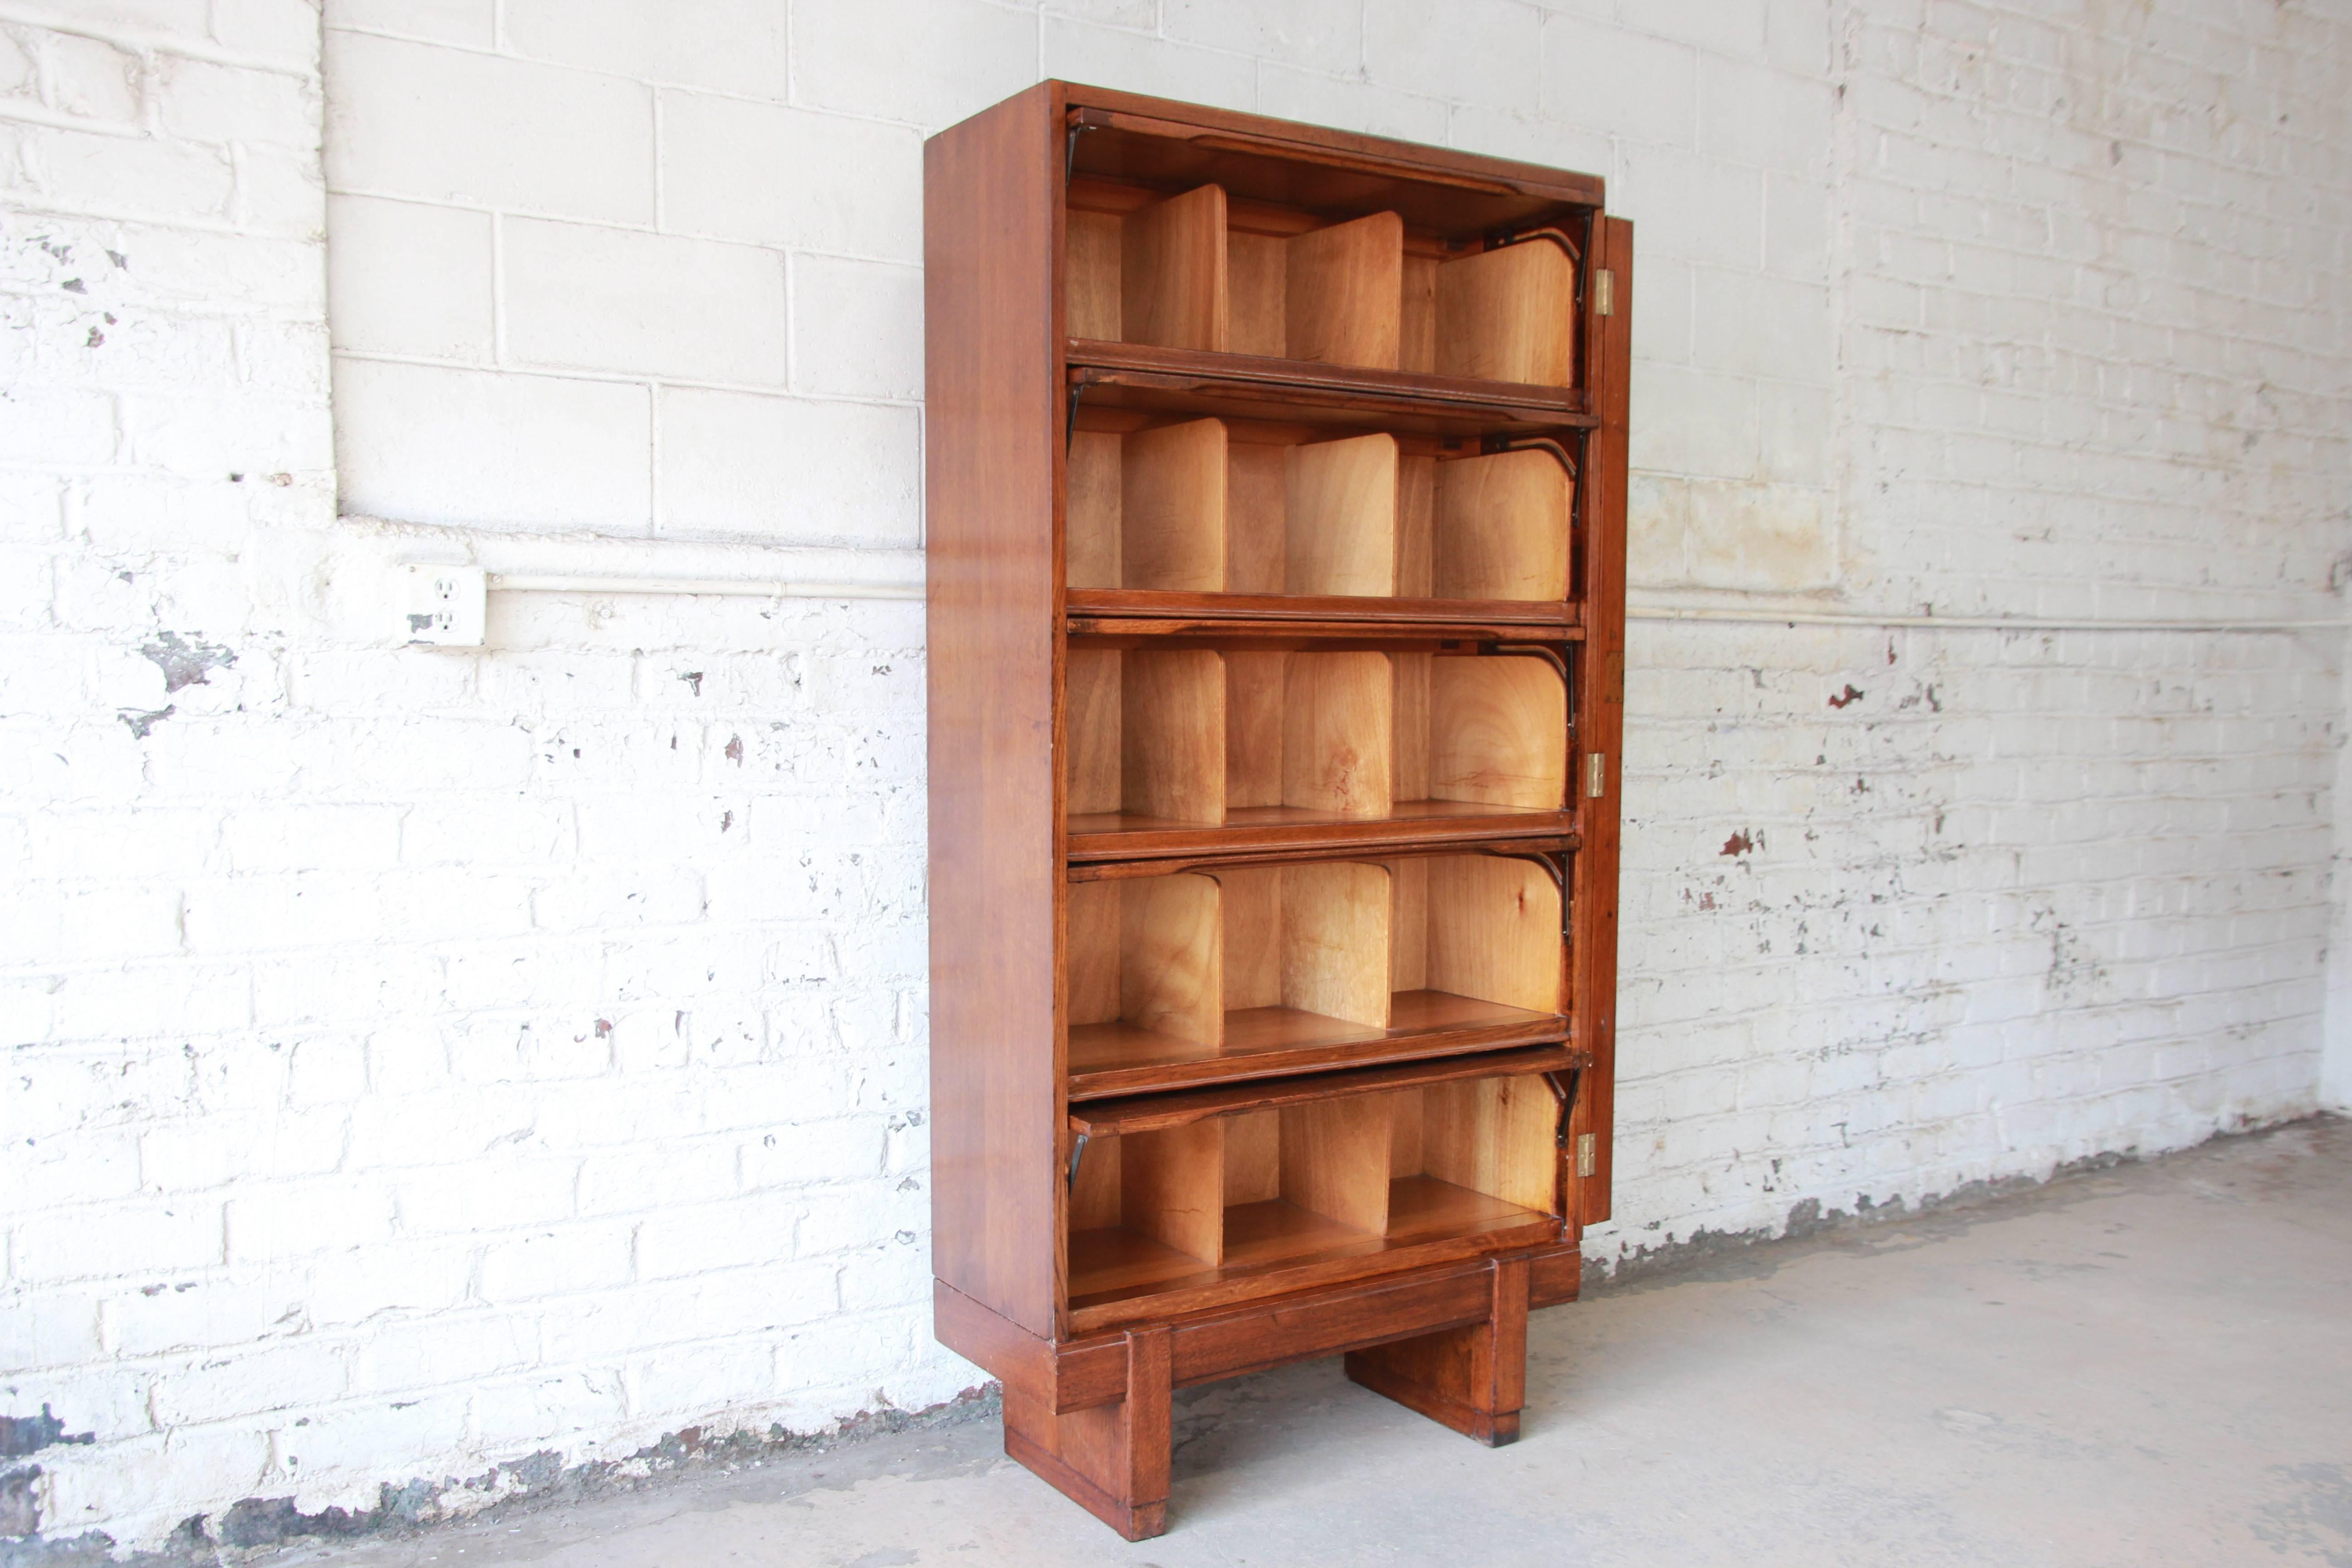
point(421, 1061)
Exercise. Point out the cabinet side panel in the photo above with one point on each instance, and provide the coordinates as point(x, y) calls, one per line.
point(989, 199)
point(1600, 726)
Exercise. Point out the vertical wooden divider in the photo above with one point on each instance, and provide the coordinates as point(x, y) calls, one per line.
point(1410, 675)
point(1094, 952)
point(1092, 679)
point(1093, 1196)
point(1502, 528)
point(1255, 528)
point(1333, 943)
point(1416, 527)
point(1497, 732)
point(1341, 517)
point(1409, 924)
point(1090, 540)
point(1173, 1187)
point(1254, 723)
point(1338, 732)
point(1406, 1124)
point(1173, 507)
point(1344, 289)
point(1255, 268)
point(1173, 280)
point(1253, 1157)
point(1171, 955)
point(1172, 735)
point(1090, 270)
point(1334, 1159)
point(1509, 315)
point(1250, 902)
point(1417, 329)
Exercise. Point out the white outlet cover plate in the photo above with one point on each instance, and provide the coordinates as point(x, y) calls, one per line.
point(441, 606)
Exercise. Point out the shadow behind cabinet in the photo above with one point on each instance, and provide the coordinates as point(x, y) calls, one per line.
point(1276, 487)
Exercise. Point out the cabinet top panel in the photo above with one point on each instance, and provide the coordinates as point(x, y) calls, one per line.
point(1176, 146)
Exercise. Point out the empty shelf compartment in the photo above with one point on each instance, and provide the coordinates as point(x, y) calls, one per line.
point(1479, 929)
point(1165, 739)
point(1208, 506)
point(1237, 974)
point(1244, 1201)
point(1197, 271)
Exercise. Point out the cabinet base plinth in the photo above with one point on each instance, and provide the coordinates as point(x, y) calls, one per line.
point(1110, 1460)
point(1473, 1378)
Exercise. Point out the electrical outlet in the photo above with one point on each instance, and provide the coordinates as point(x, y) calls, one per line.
point(441, 606)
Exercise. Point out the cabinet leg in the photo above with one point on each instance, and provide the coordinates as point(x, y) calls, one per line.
point(1111, 1459)
point(1471, 1379)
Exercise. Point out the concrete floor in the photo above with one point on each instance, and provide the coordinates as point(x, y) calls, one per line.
point(2146, 1366)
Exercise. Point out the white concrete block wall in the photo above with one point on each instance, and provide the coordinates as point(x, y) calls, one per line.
point(430, 1065)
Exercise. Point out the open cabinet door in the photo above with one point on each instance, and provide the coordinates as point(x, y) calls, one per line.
point(1600, 718)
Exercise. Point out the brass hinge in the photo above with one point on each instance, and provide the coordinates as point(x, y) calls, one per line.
point(1604, 293)
point(1596, 775)
point(1586, 1160)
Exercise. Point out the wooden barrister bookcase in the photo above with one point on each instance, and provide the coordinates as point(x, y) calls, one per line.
point(1277, 536)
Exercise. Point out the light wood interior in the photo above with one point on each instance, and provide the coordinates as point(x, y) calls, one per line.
point(1187, 508)
point(1168, 737)
point(1146, 956)
point(1146, 734)
point(1195, 270)
point(1232, 963)
point(1262, 1189)
point(1485, 927)
point(1339, 517)
point(1499, 526)
point(1241, 965)
point(1307, 940)
point(1172, 272)
point(1489, 730)
point(1509, 314)
point(1203, 506)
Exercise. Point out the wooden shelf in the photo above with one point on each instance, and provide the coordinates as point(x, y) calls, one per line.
point(1117, 1275)
point(1150, 1112)
point(1108, 1059)
point(1122, 619)
point(1338, 397)
point(1123, 835)
point(1102, 610)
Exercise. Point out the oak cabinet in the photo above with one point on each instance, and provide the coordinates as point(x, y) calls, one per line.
point(1276, 487)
